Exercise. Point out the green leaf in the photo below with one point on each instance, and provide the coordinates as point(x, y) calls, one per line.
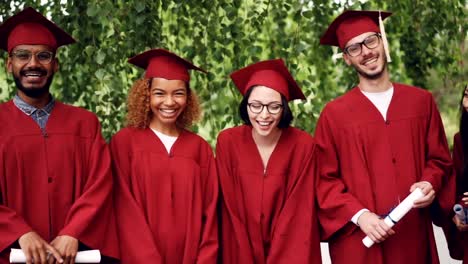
point(140, 6)
point(92, 10)
point(308, 14)
point(100, 56)
point(100, 74)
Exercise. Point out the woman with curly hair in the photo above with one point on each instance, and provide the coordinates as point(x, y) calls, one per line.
point(166, 184)
point(266, 172)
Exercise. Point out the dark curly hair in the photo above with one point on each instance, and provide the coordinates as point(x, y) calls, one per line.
point(139, 112)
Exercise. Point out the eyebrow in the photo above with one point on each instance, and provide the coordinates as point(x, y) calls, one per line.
point(163, 90)
point(258, 101)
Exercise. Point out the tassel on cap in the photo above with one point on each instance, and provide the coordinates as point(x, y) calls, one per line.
point(384, 38)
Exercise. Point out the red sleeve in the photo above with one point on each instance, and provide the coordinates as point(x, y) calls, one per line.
point(135, 236)
point(90, 219)
point(12, 225)
point(296, 238)
point(234, 239)
point(336, 205)
point(438, 167)
point(208, 249)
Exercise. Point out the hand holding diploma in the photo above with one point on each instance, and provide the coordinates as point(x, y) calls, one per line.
point(374, 227)
point(36, 248)
point(67, 246)
point(399, 212)
point(461, 214)
point(427, 190)
point(87, 256)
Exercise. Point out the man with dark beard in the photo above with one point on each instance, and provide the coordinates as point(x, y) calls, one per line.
point(55, 182)
point(376, 144)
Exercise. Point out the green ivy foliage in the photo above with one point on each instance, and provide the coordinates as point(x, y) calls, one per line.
point(427, 39)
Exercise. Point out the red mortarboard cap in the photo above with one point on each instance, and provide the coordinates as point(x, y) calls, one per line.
point(270, 73)
point(350, 24)
point(164, 64)
point(30, 27)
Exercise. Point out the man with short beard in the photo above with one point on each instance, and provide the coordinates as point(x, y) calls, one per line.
point(377, 143)
point(55, 182)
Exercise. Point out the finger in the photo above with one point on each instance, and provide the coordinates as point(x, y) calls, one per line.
point(428, 186)
point(391, 231)
point(379, 237)
point(28, 256)
point(42, 255)
point(35, 256)
point(381, 231)
point(373, 238)
point(425, 200)
point(421, 202)
point(456, 220)
point(384, 226)
point(54, 254)
point(50, 258)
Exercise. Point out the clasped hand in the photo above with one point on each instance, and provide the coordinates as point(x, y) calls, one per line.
point(62, 249)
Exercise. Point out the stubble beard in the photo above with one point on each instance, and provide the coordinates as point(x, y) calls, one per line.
point(34, 92)
point(373, 76)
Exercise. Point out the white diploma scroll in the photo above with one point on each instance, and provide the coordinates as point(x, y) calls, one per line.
point(460, 213)
point(397, 213)
point(86, 256)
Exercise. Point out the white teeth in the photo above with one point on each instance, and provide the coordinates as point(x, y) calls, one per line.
point(264, 123)
point(168, 111)
point(370, 61)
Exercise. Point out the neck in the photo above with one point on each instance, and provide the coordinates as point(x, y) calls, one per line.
point(38, 102)
point(380, 84)
point(269, 140)
point(170, 130)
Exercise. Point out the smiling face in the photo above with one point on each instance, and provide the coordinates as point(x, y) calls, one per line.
point(32, 77)
point(168, 99)
point(371, 63)
point(264, 123)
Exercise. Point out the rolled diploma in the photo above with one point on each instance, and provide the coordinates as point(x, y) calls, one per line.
point(460, 212)
point(86, 256)
point(397, 213)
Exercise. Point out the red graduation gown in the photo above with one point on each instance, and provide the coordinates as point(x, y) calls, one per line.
point(58, 183)
point(267, 216)
point(165, 202)
point(367, 162)
point(457, 241)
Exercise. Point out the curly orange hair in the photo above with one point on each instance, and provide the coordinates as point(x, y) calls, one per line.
point(139, 112)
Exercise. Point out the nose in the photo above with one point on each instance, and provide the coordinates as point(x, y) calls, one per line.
point(365, 50)
point(264, 113)
point(169, 100)
point(33, 61)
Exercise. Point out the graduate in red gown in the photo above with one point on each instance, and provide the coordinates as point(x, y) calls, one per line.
point(457, 233)
point(266, 171)
point(55, 177)
point(166, 185)
point(376, 144)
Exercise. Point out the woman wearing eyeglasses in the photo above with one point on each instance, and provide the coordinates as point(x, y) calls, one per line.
point(266, 172)
point(166, 185)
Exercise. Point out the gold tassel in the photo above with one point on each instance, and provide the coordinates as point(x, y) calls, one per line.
point(384, 38)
